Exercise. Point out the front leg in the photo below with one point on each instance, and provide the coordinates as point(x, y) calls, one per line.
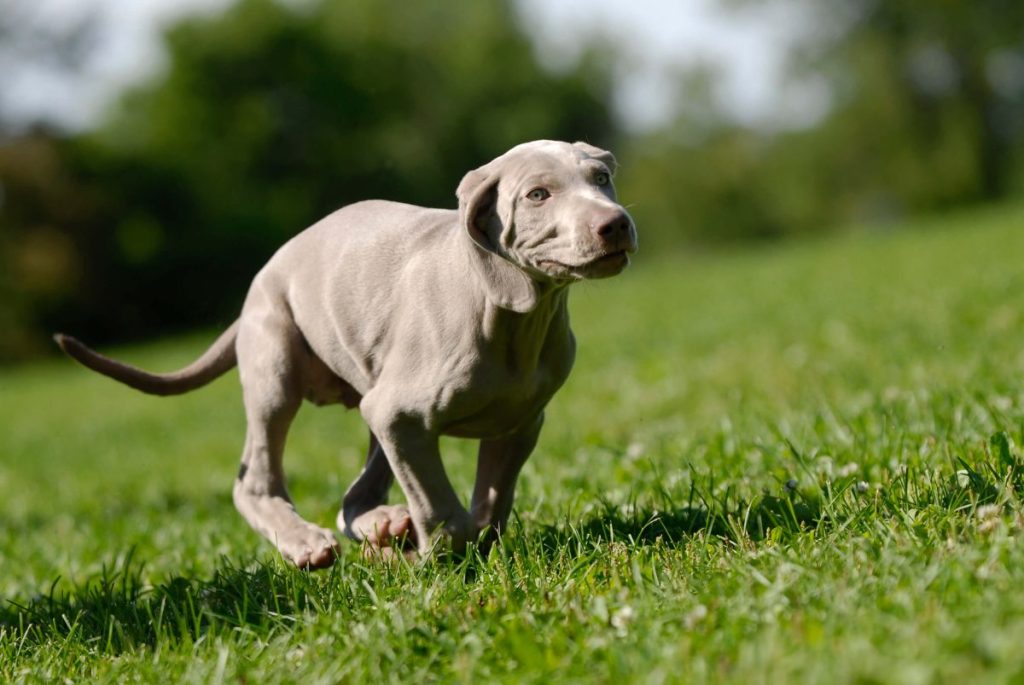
point(365, 514)
point(412, 451)
point(498, 464)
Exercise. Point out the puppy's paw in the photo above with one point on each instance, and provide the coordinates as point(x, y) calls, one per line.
point(452, 535)
point(308, 546)
point(383, 527)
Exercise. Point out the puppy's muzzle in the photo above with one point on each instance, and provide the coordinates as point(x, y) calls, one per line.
point(614, 232)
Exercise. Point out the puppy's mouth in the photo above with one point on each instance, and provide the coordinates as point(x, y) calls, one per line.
point(603, 266)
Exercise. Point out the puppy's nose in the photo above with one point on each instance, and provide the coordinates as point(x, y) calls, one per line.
point(614, 229)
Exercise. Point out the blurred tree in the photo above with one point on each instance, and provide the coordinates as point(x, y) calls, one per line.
point(926, 112)
point(32, 44)
point(41, 206)
point(38, 198)
point(947, 78)
point(269, 117)
point(273, 114)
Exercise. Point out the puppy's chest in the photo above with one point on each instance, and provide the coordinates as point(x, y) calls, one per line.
point(517, 386)
point(504, 391)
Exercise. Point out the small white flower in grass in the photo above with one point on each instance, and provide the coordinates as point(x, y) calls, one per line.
point(963, 478)
point(696, 615)
point(988, 525)
point(862, 486)
point(622, 618)
point(675, 478)
point(987, 511)
point(848, 469)
point(988, 517)
point(635, 450)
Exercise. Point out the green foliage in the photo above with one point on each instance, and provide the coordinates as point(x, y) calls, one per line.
point(273, 114)
point(797, 464)
point(926, 104)
point(934, 94)
point(266, 119)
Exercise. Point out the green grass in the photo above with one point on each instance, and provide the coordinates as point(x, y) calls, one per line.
point(798, 464)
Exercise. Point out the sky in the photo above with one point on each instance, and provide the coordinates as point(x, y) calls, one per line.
point(655, 38)
point(658, 38)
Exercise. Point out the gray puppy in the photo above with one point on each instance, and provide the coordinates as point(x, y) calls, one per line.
point(431, 321)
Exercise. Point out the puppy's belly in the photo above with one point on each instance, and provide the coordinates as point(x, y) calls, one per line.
point(324, 387)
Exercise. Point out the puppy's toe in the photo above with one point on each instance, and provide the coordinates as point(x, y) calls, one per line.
point(321, 558)
point(400, 525)
point(310, 547)
point(382, 526)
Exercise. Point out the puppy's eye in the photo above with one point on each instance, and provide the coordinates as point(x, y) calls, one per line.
point(602, 179)
point(538, 194)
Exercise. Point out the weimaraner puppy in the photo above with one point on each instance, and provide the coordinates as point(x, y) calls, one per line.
point(431, 321)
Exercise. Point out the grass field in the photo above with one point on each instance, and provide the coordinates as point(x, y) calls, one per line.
point(797, 464)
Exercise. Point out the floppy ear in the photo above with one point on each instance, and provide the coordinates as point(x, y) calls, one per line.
point(505, 283)
point(599, 154)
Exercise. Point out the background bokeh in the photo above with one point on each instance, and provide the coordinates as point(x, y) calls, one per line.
point(153, 215)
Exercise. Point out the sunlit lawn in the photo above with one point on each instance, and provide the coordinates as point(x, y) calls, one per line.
point(795, 464)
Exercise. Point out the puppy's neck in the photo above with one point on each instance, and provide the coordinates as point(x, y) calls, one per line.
point(524, 336)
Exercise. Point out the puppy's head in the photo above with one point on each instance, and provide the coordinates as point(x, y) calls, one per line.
point(548, 210)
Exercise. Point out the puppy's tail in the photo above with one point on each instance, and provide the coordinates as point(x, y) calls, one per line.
point(217, 360)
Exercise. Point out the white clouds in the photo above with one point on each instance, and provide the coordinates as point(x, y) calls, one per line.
point(128, 49)
point(656, 38)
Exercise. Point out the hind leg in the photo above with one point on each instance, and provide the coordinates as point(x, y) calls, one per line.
point(365, 514)
point(271, 364)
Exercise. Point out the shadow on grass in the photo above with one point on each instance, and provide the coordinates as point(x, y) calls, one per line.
point(675, 525)
point(948, 497)
point(117, 611)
